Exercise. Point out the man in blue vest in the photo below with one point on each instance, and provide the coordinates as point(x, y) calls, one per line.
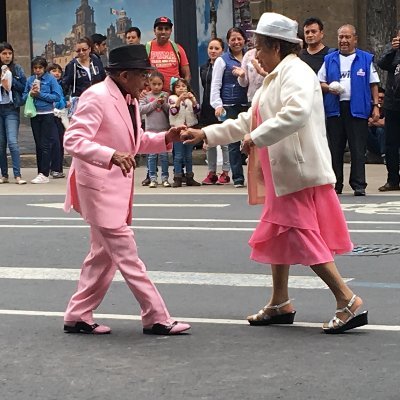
point(350, 83)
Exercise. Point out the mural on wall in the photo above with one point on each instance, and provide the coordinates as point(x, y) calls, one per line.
point(58, 24)
point(214, 18)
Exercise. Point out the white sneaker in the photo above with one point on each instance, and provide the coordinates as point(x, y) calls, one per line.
point(40, 179)
point(153, 184)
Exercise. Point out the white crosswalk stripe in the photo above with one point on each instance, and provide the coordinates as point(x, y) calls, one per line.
point(171, 278)
point(218, 321)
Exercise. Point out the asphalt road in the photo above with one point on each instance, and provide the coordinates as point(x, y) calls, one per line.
point(195, 247)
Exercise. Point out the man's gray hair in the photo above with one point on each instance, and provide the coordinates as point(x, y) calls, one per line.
point(352, 27)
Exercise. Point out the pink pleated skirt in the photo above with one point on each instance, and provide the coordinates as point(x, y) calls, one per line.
point(306, 227)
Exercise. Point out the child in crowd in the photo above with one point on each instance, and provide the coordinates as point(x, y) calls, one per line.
point(154, 106)
point(45, 91)
point(183, 110)
point(60, 113)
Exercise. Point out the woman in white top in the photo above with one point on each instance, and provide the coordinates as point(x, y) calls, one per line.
point(302, 221)
point(250, 74)
point(227, 97)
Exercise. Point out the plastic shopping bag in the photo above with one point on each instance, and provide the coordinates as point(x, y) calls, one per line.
point(30, 109)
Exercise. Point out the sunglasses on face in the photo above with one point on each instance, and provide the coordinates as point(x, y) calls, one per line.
point(82, 50)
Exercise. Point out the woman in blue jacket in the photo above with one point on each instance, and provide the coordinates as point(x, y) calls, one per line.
point(46, 91)
point(10, 102)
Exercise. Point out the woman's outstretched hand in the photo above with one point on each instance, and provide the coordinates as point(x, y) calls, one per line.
point(192, 136)
point(246, 144)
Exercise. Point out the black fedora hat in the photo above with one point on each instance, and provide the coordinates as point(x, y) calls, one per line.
point(131, 56)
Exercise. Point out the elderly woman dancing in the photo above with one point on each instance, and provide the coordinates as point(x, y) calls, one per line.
point(302, 221)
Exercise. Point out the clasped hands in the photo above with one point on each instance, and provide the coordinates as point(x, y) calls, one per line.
point(193, 136)
point(126, 161)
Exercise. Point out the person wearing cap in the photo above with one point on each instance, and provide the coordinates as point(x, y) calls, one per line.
point(167, 56)
point(302, 221)
point(99, 47)
point(103, 138)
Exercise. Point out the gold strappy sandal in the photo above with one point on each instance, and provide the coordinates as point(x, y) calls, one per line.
point(262, 318)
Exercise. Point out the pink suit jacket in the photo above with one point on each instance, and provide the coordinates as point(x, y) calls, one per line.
point(101, 125)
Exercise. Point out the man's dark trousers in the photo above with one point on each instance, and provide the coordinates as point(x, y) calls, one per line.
point(340, 130)
point(392, 132)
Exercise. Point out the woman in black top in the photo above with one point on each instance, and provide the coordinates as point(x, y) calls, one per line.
point(82, 72)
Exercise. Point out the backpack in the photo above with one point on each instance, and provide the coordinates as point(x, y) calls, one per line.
point(174, 46)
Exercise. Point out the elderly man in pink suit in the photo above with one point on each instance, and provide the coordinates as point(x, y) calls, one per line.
point(104, 135)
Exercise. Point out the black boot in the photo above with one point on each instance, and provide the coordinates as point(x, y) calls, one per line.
point(177, 181)
point(190, 181)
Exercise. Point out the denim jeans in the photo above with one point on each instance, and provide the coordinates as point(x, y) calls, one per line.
point(376, 140)
point(9, 126)
point(183, 156)
point(152, 166)
point(235, 155)
point(45, 133)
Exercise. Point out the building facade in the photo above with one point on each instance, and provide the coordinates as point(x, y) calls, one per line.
point(374, 19)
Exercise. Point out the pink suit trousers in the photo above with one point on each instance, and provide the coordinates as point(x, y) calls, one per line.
point(112, 249)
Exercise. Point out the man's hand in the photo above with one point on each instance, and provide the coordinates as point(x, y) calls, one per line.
point(396, 43)
point(193, 136)
point(125, 161)
point(375, 114)
point(174, 134)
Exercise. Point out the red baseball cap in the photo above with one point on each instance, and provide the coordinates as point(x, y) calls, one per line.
point(163, 21)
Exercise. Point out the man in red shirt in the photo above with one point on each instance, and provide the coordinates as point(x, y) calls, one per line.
point(167, 56)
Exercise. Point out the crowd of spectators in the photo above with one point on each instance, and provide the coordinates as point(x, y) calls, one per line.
point(361, 117)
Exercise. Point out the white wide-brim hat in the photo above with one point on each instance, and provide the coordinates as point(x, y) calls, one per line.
point(277, 26)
